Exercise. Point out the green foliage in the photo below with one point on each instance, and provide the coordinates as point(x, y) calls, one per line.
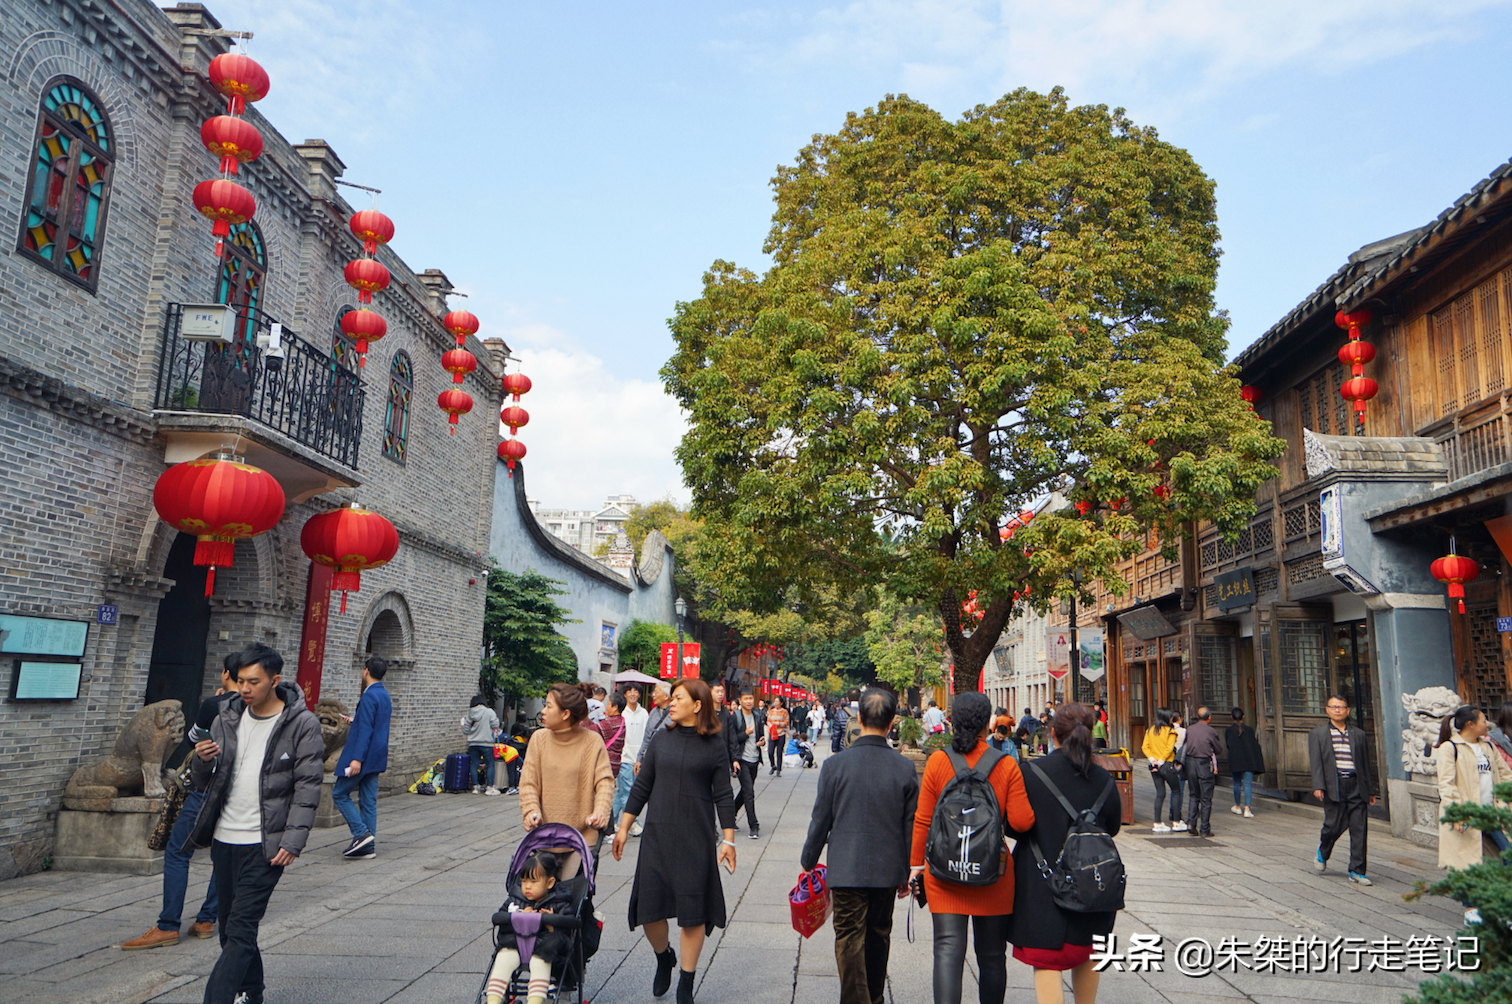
point(523, 653)
point(681, 531)
point(904, 642)
point(961, 317)
point(640, 645)
point(847, 659)
point(909, 731)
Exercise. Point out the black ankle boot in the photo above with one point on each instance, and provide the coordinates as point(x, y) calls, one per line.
point(665, 961)
point(684, 987)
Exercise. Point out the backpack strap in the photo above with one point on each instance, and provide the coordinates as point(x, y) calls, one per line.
point(983, 767)
point(1039, 772)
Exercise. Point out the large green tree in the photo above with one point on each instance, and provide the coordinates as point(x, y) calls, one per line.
point(904, 642)
point(523, 653)
point(959, 318)
point(640, 646)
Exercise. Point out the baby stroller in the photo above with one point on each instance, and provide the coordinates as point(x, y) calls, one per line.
point(584, 929)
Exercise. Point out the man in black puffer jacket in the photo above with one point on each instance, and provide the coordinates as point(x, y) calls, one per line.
point(260, 771)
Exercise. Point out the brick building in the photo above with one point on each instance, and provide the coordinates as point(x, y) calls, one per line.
point(100, 248)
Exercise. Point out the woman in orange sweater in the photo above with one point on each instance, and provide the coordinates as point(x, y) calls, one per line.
point(952, 903)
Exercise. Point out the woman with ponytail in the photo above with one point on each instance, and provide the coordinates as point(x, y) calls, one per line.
point(1044, 936)
point(1468, 769)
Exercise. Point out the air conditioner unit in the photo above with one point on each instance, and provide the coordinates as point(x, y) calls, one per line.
point(208, 322)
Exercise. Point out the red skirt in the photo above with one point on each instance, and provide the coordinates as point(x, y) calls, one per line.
point(1059, 959)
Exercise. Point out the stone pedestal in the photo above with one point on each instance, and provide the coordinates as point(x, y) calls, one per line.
point(326, 815)
point(113, 840)
point(1414, 809)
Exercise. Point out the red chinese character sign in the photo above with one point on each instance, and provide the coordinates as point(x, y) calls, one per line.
point(669, 660)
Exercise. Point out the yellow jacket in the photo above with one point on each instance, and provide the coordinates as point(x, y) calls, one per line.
point(1159, 744)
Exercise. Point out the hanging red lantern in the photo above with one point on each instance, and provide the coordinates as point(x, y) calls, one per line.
point(1356, 354)
point(1359, 390)
point(351, 541)
point(367, 277)
point(363, 326)
point(459, 363)
point(1353, 321)
point(239, 78)
point(1083, 507)
point(220, 501)
point(509, 451)
point(227, 204)
point(1162, 492)
point(514, 416)
point(461, 324)
point(372, 228)
point(235, 141)
point(516, 384)
point(1026, 515)
point(455, 402)
point(1250, 395)
point(1456, 570)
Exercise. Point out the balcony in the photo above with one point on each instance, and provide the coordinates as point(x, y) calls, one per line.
point(1476, 439)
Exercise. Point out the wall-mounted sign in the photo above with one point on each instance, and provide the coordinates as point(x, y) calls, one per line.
point(1089, 645)
point(46, 681)
point(1146, 624)
point(42, 636)
point(1504, 623)
point(1058, 652)
point(1235, 589)
point(108, 613)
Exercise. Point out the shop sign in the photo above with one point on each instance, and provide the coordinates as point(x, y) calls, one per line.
point(1058, 652)
point(1235, 589)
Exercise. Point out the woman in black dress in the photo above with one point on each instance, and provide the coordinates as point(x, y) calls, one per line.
point(685, 778)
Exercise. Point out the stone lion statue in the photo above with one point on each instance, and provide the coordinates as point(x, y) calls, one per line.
point(1426, 709)
point(333, 728)
point(135, 765)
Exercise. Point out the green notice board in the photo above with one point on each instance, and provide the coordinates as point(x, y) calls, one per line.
point(42, 636)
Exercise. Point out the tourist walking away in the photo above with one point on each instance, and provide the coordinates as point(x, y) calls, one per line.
point(260, 770)
point(363, 758)
point(1500, 736)
point(934, 719)
point(539, 891)
point(1047, 935)
point(1468, 770)
point(566, 777)
point(1159, 748)
point(1202, 749)
point(597, 706)
point(612, 729)
point(482, 726)
point(864, 811)
point(777, 731)
point(1337, 753)
point(1029, 723)
point(686, 778)
point(839, 720)
point(816, 722)
point(963, 868)
point(1245, 760)
point(749, 727)
point(635, 734)
point(178, 851)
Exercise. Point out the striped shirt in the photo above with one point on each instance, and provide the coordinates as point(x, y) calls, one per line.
point(1343, 755)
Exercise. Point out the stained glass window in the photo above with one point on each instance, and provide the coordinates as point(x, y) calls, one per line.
point(343, 349)
point(242, 268)
point(64, 219)
point(396, 418)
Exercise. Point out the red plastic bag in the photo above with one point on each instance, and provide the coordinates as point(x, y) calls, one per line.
point(810, 902)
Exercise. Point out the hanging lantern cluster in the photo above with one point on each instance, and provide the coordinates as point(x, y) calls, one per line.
point(513, 416)
point(367, 275)
point(234, 140)
point(1355, 354)
point(971, 610)
point(1455, 570)
point(352, 541)
point(1005, 532)
point(458, 362)
point(220, 500)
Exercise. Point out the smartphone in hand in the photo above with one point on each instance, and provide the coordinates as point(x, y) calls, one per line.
point(917, 885)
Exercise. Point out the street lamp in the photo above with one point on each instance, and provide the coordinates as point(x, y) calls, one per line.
point(681, 606)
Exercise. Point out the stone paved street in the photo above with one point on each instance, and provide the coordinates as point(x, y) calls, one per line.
point(411, 925)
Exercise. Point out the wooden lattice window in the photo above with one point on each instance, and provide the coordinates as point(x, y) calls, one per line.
point(1486, 674)
point(1468, 340)
point(1216, 667)
point(1491, 336)
point(63, 221)
point(1464, 338)
point(1321, 406)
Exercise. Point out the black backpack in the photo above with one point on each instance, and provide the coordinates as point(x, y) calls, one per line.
point(965, 843)
point(1088, 876)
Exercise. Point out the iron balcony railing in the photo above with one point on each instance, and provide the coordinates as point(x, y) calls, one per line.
point(308, 396)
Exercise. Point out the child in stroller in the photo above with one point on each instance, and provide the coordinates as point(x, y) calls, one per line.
point(547, 919)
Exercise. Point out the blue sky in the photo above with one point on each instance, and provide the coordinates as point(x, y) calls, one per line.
point(576, 167)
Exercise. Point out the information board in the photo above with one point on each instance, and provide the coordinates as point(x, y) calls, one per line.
point(46, 681)
point(42, 636)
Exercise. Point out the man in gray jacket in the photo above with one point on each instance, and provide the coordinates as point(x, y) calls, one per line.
point(1339, 755)
point(260, 771)
point(865, 811)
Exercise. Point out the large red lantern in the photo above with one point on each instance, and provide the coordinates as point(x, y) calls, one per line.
point(516, 384)
point(454, 403)
point(1250, 396)
point(459, 363)
point(362, 327)
point(239, 78)
point(461, 324)
point(1359, 390)
point(1355, 355)
point(509, 451)
point(1354, 321)
point(367, 277)
point(227, 204)
point(351, 541)
point(372, 228)
point(220, 501)
point(1456, 570)
point(235, 141)
point(514, 416)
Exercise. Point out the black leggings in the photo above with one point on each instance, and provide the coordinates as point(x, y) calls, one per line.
point(990, 938)
point(775, 749)
point(1160, 793)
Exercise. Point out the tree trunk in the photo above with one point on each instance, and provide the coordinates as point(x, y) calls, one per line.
point(969, 653)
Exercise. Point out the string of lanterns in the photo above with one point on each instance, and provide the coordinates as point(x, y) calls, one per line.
point(458, 362)
point(367, 275)
point(513, 416)
point(234, 140)
point(1355, 354)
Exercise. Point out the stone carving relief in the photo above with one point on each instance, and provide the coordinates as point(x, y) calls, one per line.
point(1426, 710)
point(135, 765)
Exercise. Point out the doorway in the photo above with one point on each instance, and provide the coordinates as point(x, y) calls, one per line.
point(177, 669)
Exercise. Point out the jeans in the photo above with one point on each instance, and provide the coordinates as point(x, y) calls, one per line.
point(863, 938)
point(813, 734)
point(1348, 813)
point(362, 817)
point(1199, 771)
point(622, 786)
point(246, 882)
point(747, 796)
point(990, 935)
point(176, 870)
point(1168, 775)
point(1244, 779)
point(481, 755)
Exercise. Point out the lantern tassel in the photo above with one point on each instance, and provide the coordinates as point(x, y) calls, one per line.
point(343, 601)
point(210, 581)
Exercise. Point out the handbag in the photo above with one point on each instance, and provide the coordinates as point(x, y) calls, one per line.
point(810, 902)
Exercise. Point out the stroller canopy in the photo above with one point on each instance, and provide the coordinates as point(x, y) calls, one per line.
point(549, 836)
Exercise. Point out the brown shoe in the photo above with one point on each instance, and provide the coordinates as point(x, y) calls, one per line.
point(205, 930)
point(152, 939)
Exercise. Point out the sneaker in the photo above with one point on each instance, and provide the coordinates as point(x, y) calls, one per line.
point(202, 929)
point(1358, 878)
point(1160, 828)
point(636, 829)
point(1319, 864)
point(1236, 810)
point(755, 833)
point(154, 938)
point(490, 790)
point(512, 791)
point(364, 853)
point(1247, 813)
point(1472, 916)
point(1178, 827)
point(477, 789)
point(357, 846)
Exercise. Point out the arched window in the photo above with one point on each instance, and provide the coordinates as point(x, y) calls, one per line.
point(228, 368)
point(64, 220)
point(343, 349)
point(396, 418)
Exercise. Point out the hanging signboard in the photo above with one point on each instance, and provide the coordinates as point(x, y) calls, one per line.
point(1235, 589)
point(1093, 664)
point(1058, 652)
point(690, 660)
point(669, 660)
point(669, 668)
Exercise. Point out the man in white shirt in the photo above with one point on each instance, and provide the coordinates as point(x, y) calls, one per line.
point(635, 733)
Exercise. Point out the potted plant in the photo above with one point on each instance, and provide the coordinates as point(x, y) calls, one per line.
point(909, 731)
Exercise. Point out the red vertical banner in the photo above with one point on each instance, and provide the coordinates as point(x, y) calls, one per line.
point(312, 638)
point(690, 660)
point(669, 660)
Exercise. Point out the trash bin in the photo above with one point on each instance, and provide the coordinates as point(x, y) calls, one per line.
point(1119, 766)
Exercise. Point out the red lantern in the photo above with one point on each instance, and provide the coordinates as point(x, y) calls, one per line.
point(1250, 395)
point(1356, 354)
point(367, 277)
point(459, 363)
point(516, 384)
point(234, 141)
point(1026, 515)
point(226, 203)
point(1083, 507)
point(351, 541)
point(461, 324)
point(514, 416)
point(1359, 390)
point(219, 501)
point(239, 78)
point(362, 327)
point(1455, 570)
point(455, 402)
point(372, 228)
point(1162, 492)
point(1353, 321)
point(509, 451)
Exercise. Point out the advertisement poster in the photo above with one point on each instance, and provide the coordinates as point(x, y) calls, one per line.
point(669, 660)
point(1058, 652)
point(1090, 643)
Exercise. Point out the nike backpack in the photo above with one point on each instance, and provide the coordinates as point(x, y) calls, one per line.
point(965, 843)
